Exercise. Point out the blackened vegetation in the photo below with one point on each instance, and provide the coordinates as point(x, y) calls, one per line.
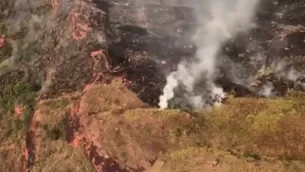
point(162, 33)
point(279, 35)
point(140, 37)
point(72, 69)
point(146, 80)
point(144, 43)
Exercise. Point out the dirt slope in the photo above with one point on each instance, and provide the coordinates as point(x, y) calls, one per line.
point(245, 134)
point(80, 80)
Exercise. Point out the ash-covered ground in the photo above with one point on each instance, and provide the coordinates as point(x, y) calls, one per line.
point(52, 48)
point(53, 44)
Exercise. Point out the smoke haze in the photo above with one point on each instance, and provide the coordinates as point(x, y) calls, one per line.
point(225, 19)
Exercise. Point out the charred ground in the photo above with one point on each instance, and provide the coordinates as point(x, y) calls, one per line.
point(77, 77)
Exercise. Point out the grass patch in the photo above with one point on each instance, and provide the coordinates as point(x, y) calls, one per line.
point(57, 103)
point(135, 114)
point(22, 94)
point(272, 127)
point(251, 156)
point(59, 156)
point(177, 132)
point(185, 160)
point(12, 127)
point(197, 159)
point(59, 131)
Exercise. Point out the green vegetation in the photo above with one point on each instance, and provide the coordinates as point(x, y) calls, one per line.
point(5, 53)
point(59, 131)
point(13, 126)
point(252, 129)
point(195, 159)
point(3, 29)
point(271, 127)
point(179, 157)
point(23, 95)
point(53, 152)
point(177, 132)
point(53, 118)
point(59, 156)
point(251, 157)
point(135, 114)
point(57, 103)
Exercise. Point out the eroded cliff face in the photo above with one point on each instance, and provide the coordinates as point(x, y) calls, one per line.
point(79, 81)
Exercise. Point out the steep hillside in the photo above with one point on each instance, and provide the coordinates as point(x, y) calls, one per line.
point(80, 82)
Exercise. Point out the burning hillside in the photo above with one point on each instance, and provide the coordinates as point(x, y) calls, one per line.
point(82, 81)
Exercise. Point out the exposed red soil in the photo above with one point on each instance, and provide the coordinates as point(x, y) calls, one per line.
point(78, 27)
point(78, 117)
point(18, 111)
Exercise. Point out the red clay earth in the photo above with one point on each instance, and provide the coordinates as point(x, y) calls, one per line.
point(101, 162)
point(79, 29)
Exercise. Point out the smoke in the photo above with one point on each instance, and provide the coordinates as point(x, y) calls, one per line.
point(226, 19)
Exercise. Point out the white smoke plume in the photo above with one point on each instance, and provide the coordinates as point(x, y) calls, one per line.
point(227, 18)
